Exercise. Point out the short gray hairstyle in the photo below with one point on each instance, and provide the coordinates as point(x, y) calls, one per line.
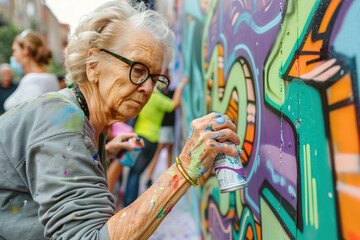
point(4, 66)
point(100, 29)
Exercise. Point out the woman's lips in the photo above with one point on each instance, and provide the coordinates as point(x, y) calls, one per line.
point(137, 101)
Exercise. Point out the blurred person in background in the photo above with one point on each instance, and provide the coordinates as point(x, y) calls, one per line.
point(166, 139)
point(148, 126)
point(119, 134)
point(62, 83)
point(53, 181)
point(30, 56)
point(7, 87)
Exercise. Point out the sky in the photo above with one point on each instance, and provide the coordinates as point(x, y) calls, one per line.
point(70, 11)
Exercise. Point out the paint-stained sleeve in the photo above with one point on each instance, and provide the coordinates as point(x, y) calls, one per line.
point(67, 180)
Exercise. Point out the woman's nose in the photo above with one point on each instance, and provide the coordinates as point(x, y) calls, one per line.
point(147, 86)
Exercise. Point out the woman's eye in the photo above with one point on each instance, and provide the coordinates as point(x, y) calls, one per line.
point(139, 71)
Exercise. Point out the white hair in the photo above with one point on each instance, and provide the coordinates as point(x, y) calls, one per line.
point(100, 29)
point(4, 66)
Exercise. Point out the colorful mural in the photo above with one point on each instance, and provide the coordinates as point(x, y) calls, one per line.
point(287, 72)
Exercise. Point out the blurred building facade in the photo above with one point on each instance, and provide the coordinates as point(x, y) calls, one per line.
point(36, 15)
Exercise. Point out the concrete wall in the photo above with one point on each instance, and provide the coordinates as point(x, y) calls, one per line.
point(287, 73)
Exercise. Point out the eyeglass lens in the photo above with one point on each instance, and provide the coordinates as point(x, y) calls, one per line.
point(139, 73)
point(161, 82)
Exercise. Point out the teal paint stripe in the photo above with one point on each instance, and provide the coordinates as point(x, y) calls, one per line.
point(302, 35)
point(246, 218)
point(193, 8)
point(247, 18)
point(187, 44)
point(290, 224)
point(312, 131)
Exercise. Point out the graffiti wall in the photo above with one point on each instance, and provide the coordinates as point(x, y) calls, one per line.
point(287, 72)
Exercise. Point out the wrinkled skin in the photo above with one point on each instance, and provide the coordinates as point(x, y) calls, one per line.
point(111, 97)
point(205, 141)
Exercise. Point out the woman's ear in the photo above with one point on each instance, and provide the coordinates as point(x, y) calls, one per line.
point(92, 72)
point(26, 51)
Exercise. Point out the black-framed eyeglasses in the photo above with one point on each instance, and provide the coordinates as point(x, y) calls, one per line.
point(139, 72)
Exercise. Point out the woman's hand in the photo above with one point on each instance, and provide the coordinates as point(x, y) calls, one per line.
point(206, 139)
point(185, 80)
point(120, 142)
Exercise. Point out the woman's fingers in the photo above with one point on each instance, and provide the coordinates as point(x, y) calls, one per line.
point(211, 122)
point(207, 118)
point(120, 142)
point(208, 136)
point(220, 123)
point(114, 147)
point(228, 149)
point(213, 148)
point(142, 142)
point(224, 135)
point(125, 136)
point(202, 155)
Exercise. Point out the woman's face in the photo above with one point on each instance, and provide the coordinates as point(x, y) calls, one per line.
point(124, 99)
point(17, 52)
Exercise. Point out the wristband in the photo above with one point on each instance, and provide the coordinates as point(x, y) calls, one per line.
point(186, 176)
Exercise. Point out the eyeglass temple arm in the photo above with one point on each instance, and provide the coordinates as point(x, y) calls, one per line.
point(124, 59)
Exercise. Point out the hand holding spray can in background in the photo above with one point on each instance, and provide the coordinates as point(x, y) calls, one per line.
point(229, 172)
point(127, 158)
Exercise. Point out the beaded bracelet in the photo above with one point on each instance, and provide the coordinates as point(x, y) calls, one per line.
point(186, 176)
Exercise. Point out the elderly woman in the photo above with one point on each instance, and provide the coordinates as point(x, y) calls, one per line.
point(52, 168)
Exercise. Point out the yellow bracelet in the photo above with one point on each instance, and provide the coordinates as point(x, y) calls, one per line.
point(186, 176)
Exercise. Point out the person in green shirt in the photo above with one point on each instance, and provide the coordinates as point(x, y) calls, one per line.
point(148, 126)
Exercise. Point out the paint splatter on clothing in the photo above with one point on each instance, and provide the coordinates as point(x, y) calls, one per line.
point(52, 181)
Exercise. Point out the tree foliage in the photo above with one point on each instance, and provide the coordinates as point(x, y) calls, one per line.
point(55, 68)
point(7, 34)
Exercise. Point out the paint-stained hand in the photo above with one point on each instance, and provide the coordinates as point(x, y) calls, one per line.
point(120, 142)
point(206, 139)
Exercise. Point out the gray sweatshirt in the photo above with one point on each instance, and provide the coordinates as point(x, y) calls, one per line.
point(52, 182)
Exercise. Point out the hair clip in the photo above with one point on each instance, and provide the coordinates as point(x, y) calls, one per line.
point(25, 33)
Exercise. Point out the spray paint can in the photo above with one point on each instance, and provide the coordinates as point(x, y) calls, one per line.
point(229, 172)
point(127, 158)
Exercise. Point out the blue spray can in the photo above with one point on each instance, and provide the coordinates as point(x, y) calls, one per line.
point(127, 158)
